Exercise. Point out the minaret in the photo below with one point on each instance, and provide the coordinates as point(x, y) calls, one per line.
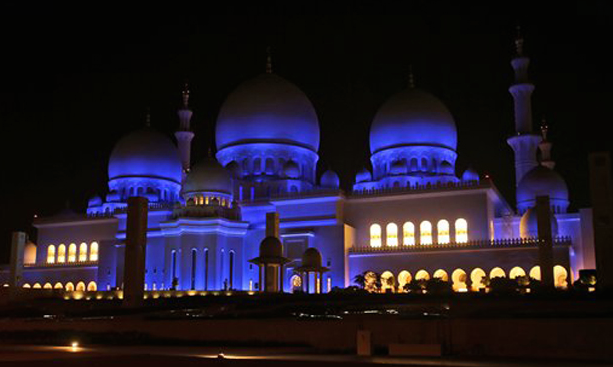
point(545, 147)
point(184, 135)
point(525, 142)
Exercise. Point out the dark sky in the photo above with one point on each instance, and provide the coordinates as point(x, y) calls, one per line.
point(74, 80)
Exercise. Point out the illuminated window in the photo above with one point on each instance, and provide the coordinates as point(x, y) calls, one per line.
point(497, 273)
point(329, 285)
point(375, 235)
point(388, 281)
point(50, 254)
point(425, 235)
point(58, 285)
point(422, 275)
point(535, 273)
point(441, 274)
point(560, 276)
point(72, 253)
point(461, 231)
point(29, 254)
point(61, 253)
point(47, 286)
point(69, 287)
point(36, 286)
point(403, 278)
point(392, 235)
point(443, 231)
point(516, 272)
point(408, 234)
point(93, 251)
point(83, 252)
point(80, 286)
point(26, 285)
point(92, 286)
point(476, 277)
point(458, 278)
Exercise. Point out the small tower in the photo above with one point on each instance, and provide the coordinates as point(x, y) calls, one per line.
point(184, 135)
point(525, 142)
point(545, 147)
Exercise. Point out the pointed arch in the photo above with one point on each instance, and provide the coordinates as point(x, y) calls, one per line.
point(441, 274)
point(375, 235)
point(83, 252)
point(69, 287)
point(80, 286)
point(560, 276)
point(442, 228)
point(61, 253)
point(92, 286)
point(516, 272)
point(58, 285)
point(425, 233)
point(93, 251)
point(408, 234)
point(50, 254)
point(535, 273)
point(497, 273)
point(72, 253)
point(458, 277)
point(391, 238)
point(476, 278)
point(422, 274)
point(461, 230)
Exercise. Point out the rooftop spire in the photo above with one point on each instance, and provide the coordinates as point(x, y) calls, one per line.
point(185, 94)
point(148, 118)
point(268, 61)
point(411, 77)
point(519, 42)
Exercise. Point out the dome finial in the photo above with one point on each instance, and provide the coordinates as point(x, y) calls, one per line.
point(268, 61)
point(519, 42)
point(148, 118)
point(185, 94)
point(411, 77)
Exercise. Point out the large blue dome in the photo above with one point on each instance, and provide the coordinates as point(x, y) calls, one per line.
point(267, 109)
point(145, 153)
point(542, 181)
point(413, 117)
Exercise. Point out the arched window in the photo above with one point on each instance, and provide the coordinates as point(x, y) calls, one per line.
point(92, 287)
point(375, 235)
point(425, 235)
point(80, 286)
point(388, 281)
point(535, 273)
point(560, 276)
point(93, 251)
point(50, 254)
point(404, 277)
point(476, 278)
point(461, 231)
point(231, 269)
point(72, 253)
point(58, 285)
point(69, 287)
point(408, 234)
point(443, 231)
point(61, 253)
point(441, 274)
point(516, 272)
point(36, 286)
point(26, 285)
point(257, 166)
point(497, 273)
point(270, 166)
point(424, 165)
point(422, 274)
point(193, 275)
point(47, 286)
point(83, 252)
point(459, 280)
point(392, 235)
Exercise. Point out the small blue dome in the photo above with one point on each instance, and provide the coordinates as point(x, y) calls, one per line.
point(413, 118)
point(94, 201)
point(470, 175)
point(145, 153)
point(291, 169)
point(363, 176)
point(330, 179)
point(528, 225)
point(542, 181)
point(267, 109)
point(208, 176)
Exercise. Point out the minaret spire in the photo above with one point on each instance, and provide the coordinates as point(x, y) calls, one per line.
point(411, 77)
point(268, 61)
point(524, 142)
point(545, 147)
point(184, 135)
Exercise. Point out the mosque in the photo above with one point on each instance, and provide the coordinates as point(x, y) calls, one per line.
point(409, 215)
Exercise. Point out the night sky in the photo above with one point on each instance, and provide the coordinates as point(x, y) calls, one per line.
point(75, 80)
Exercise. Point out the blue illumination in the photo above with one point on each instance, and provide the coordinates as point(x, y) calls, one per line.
point(145, 153)
point(267, 108)
point(413, 117)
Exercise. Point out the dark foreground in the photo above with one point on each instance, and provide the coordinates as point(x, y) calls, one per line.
point(94, 356)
